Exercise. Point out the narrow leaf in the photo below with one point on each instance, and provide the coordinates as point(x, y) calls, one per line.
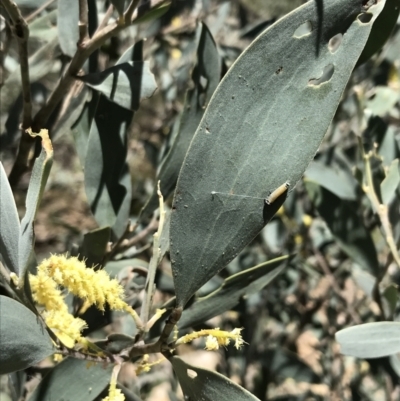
point(370, 340)
point(205, 385)
point(232, 290)
point(107, 177)
point(261, 129)
point(391, 183)
point(345, 222)
point(94, 245)
point(68, 26)
point(24, 339)
point(205, 76)
point(9, 233)
point(88, 381)
point(125, 84)
point(37, 183)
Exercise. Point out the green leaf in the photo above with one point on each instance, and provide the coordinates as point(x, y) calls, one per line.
point(205, 76)
point(68, 26)
point(149, 15)
point(226, 297)
point(94, 246)
point(37, 183)
point(44, 27)
point(338, 181)
point(383, 101)
point(81, 129)
point(261, 129)
point(75, 106)
point(126, 84)
point(205, 385)
point(115, 267)
point(72, 379)
point(381, 30)
point(24, 339)
point(345, 222)
point(390, 184)
point(370, 340)
point(9, 233)
point(107, 177)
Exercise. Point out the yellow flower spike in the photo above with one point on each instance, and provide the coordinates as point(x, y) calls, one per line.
point(215, 338)
point(95, 287)
point(145, 366)
point(114, 394)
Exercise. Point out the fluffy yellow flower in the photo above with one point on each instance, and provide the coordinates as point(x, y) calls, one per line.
point(215, 338)
point(95, 287)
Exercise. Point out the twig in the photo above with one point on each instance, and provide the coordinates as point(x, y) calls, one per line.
point(31, 16)
point(131, 8)
point(381, 209)
point(21, 32)
point(83, 22)
point(106, 18)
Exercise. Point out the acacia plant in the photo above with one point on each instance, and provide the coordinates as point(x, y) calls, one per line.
point(241, 145)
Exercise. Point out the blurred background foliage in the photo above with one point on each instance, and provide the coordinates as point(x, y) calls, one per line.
point(343, 272)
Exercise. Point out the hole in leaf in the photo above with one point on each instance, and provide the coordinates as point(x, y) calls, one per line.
point(325, 77)
point(303, 30)
point(365, 17)
point(191, 373)
point(335, 42)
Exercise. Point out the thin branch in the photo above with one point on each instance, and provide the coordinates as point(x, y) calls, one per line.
point(31, 16)
point(381, 209)
point(131, 8)
point(106, 18)
point(84, 50)
point(21, 32)
point(83, 22)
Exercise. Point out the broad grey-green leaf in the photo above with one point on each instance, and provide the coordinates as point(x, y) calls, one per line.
point(107, 177)
point(383, 100)
point(390, 184)
point(261, 129)
point(24, 339)
point(94, 245)
point(9, 233)
point(37, 183)
point(205, 385)
point(336, 180)
point(73, 379)
point(242, 284)
point(148, 15)
point(365, 281)
point(205, 76)
point(74, 107)
point(115, 267)
point(44, 27)
point(370, 340)
point(68, 26)
point(125, 84)
point(344, 220)
point(381, 30)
